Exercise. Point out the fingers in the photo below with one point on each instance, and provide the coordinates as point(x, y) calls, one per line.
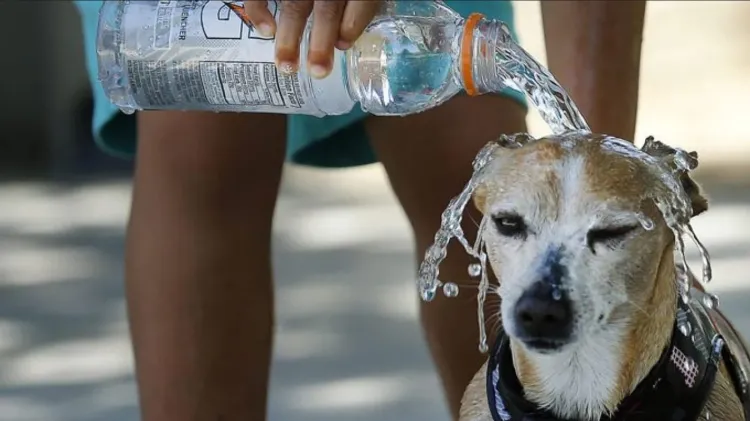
point(325, 32)
point(294, 14)
point(257, 14)
point(357, 15)
point(335, 23)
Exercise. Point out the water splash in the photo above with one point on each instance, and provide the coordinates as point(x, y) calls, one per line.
point(711, 300)
point(484, 286)
point(450, 227)
point(705, 257)
point(513, 67)
point(452, 216)
point(667, 165)
point(474, 270)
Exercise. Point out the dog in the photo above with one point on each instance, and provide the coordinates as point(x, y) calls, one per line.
point(593, 323)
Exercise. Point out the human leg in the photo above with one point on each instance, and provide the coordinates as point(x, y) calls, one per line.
point(428, 160)
point(198, 271)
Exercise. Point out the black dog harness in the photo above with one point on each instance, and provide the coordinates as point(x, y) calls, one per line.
point(676, 389)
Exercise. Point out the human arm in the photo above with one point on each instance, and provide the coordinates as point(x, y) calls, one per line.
point(594, 51)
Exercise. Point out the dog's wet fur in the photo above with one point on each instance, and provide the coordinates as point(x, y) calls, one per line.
point(567, 217)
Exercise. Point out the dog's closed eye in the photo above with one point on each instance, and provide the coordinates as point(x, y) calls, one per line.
point(510, 225)
point(609, 236)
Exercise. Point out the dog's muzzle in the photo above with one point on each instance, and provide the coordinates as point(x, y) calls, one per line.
point(544, 317)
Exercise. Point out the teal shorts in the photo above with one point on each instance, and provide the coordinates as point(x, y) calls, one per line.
point(333, 142)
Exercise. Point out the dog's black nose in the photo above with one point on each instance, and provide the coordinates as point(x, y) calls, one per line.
point(544, 313)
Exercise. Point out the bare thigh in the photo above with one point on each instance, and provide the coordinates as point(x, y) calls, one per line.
point(221, 155)
point(428, 160)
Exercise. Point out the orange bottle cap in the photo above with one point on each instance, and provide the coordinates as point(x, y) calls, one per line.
point(466, 59)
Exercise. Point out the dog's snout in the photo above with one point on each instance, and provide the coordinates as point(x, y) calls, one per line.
point(544, 313)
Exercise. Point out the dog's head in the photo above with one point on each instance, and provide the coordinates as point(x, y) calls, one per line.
point(573, 239)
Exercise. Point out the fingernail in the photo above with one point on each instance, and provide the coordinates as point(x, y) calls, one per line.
point(343, 45)
point(318, 72)
point(286, 67)
point(266, 30)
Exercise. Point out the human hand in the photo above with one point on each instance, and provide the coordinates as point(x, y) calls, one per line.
point(336, 23)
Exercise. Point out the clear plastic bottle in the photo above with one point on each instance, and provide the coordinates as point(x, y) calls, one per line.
point(200, 55)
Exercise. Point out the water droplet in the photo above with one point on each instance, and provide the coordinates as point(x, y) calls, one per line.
point(717, 345)
point(646, 222)
point(681, 266)
point(450, 290)
point(685, 294)
point(711, 301)
point(705, 257)
point(685, 328)
point(683, 161)
point(475, 269)
point(428, 285)
point(127, 110)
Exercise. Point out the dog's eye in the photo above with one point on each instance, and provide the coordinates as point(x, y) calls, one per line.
point(510, 225)
point(608, 236)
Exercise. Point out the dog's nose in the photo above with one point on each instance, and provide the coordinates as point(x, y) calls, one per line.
point(544, 312)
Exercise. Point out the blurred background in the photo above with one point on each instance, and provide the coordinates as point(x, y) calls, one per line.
point(64, 351)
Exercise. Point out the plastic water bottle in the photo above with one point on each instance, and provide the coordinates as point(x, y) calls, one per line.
point(202, 55)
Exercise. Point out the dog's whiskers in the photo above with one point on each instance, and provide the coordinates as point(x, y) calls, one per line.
point(494, 324)
point(474, 221)
point(467, 283)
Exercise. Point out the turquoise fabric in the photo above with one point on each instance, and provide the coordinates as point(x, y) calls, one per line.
point(335, 141)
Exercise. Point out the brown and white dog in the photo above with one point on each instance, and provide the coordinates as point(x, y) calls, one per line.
point(589, 298)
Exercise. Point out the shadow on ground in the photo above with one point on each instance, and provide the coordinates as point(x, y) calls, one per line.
point(348, 344)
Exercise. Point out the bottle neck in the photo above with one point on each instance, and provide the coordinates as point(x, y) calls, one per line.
point(480, 41)
point(491, 61)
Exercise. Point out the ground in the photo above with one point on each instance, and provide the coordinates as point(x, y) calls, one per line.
point(348, 345)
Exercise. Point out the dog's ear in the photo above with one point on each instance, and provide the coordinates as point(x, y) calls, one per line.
point(698, 202)
point(665, 152)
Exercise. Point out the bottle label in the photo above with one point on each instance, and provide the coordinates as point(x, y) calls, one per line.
point(201, 53)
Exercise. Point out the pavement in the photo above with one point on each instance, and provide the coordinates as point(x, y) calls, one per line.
point(348, 345)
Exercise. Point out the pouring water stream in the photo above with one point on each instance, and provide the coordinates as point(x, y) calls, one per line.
point(515, 68)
